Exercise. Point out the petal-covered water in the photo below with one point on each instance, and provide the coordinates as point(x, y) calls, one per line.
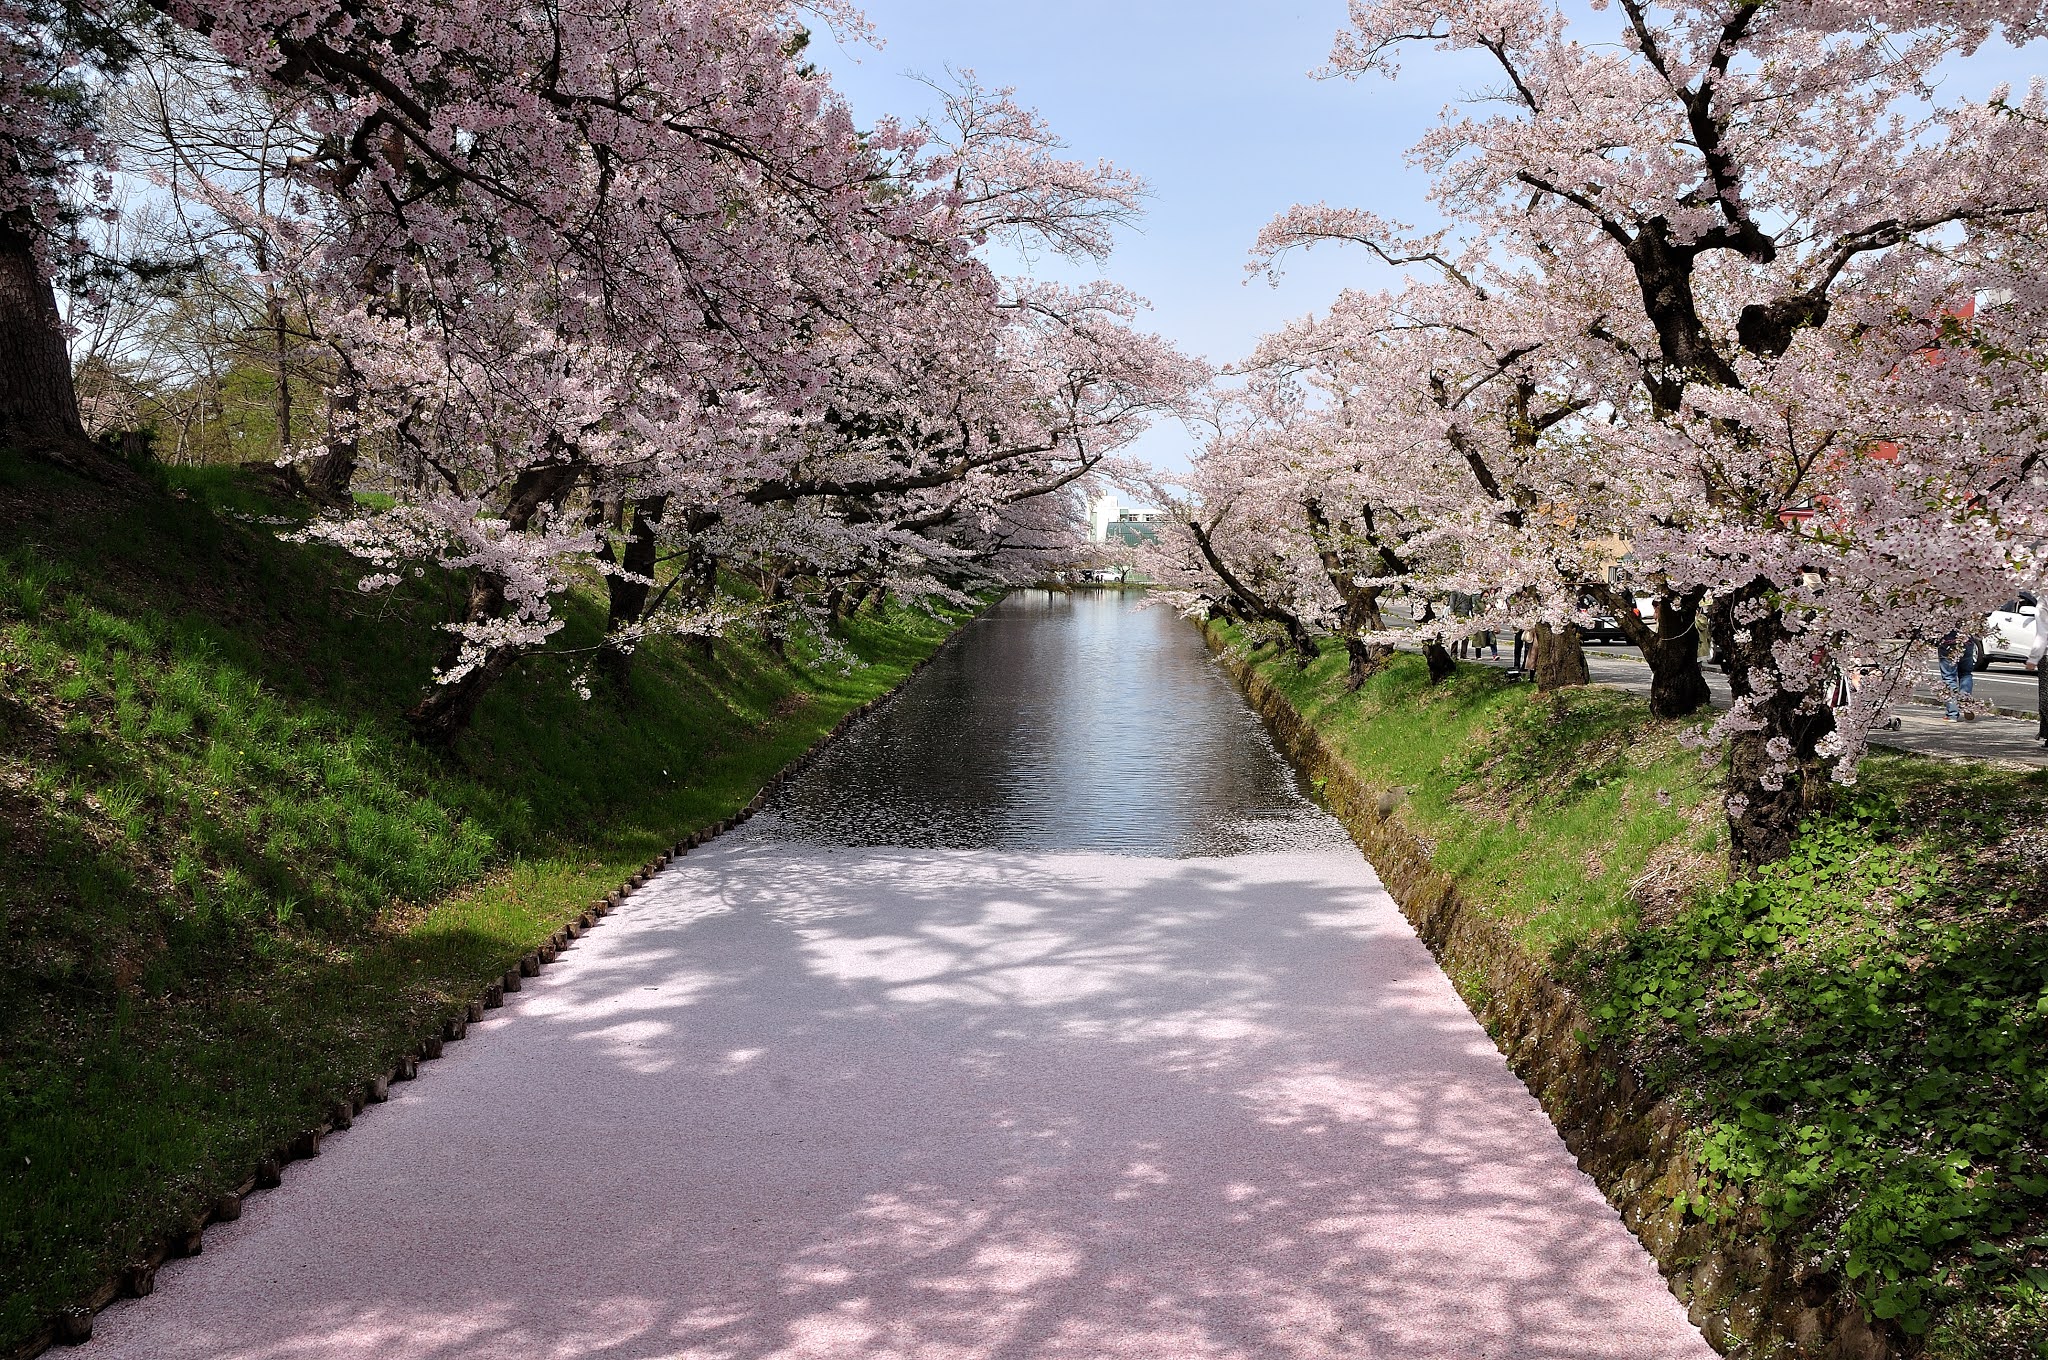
point(1059, 722)
point(914, 1070)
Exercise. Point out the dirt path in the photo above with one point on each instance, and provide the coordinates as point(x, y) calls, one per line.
point(811, 1104)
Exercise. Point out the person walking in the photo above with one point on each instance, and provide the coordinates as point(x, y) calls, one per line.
point(2037, 662)
point(1957, 652)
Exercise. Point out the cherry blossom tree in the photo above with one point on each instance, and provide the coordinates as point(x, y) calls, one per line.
point(909, 395)
point(623, 290)
point(1772, 217)
point(51, 57)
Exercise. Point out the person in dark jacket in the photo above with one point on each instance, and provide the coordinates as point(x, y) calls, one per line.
point(1957, 652)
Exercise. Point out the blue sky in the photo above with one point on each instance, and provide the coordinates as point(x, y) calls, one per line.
point(1212, 102)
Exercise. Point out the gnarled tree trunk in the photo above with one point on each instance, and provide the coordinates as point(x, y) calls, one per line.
point(1670, 643)
point(1367, 660)
point(447, 709)
point(1253, 605)
point(626, 599)
point(1442, 665)
point(772, 637)
point(329, 476)
point(1360, 604)
point(1559, 658)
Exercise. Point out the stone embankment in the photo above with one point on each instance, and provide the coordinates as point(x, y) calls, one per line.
point(1750, 1295)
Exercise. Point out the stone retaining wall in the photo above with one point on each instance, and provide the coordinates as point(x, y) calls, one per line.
point(1748, 1294)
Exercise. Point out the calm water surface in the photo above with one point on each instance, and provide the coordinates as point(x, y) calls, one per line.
point(1059, 722)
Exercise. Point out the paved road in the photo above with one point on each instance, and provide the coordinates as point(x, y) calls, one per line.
point(1145, 1066)
point(2005, 685)
point(1923, 729)
point(946, 1105)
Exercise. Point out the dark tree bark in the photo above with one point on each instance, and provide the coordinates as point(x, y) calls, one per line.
point(1678, 685)
point(1252, 604)
point(329, 476)
point(446, 710)
point(1442, 665)
point(1367, 659)
point(1770, 797)
point(778, 599)
point(1560, 659)
point(702, 571)
point(1670, 643)
point(1360, 605)
point(38, 403)
point(626, 600)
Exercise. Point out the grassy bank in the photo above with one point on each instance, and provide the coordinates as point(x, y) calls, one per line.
point(1860, 1033)
point(232, 888)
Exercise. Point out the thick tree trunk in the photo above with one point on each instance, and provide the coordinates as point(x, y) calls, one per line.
point(1678, 686)
point(1361, 615)
point(626, 599)
point(1252, 604)
point(445, 711)
point(1304, 646)
point(703, 571)
point(1560, 660)
point(1670, 643)
point(1361, 604)
point(38, 403)
point(330, 475)
point(1768, 796)
point(778, 599)
point(1442, 665)
point(1367, 660)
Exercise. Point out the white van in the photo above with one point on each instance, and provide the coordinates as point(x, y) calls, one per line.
point(2009, 632)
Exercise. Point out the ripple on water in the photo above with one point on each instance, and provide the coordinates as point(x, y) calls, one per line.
point(1085, 722)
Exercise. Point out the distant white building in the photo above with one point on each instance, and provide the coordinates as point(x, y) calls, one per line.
point(1101, 511)
point(1108, 519)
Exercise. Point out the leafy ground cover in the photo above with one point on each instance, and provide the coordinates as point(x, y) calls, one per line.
point(1860, 1032)
point(231, 886)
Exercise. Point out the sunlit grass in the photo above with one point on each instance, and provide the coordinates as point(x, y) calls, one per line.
point(1551, 806)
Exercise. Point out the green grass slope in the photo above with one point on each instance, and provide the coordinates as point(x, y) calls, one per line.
point(1860, 1032)
point(231, 887)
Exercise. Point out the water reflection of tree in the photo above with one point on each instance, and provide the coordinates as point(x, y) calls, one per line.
point(1060, 721)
